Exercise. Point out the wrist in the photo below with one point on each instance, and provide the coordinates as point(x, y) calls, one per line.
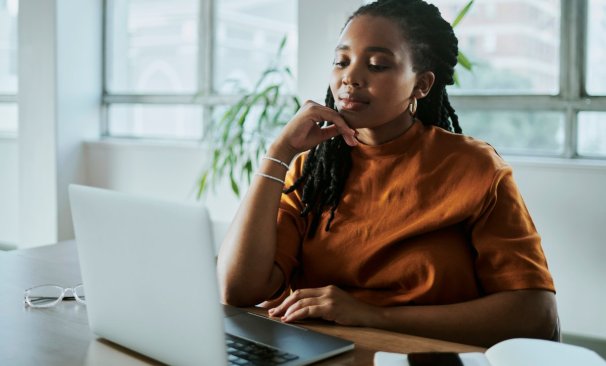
point(372, 316)
point(281, 152)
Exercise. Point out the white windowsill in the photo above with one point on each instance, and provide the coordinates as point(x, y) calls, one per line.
point(555, 162)
point(124, 143)
point(529, 161)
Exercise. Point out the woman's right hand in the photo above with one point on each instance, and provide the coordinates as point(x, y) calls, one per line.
point(304, 132)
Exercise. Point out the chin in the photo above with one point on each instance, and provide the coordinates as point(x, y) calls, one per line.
point(356, 120)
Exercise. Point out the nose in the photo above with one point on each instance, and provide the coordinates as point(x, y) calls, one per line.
point(352, 77)
point(347, 80)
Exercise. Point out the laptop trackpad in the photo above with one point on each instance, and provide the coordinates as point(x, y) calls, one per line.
point(285, 337)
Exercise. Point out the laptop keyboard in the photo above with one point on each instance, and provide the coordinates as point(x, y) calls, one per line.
point(243, 352)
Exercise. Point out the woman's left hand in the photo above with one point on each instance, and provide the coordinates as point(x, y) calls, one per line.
point(329, 303)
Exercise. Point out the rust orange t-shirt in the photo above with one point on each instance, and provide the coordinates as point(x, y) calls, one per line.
point(430, 217)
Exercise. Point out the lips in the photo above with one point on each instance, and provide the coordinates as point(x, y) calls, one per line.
point(351, 102)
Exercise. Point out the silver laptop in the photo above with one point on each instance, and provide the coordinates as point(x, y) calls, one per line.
point(149, 275)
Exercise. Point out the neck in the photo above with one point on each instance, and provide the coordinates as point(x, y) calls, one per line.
point(386, 132)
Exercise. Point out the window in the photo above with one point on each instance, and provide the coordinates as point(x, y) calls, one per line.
point(170, 63)
point(8, 66)
point(537, 85)
point(514, 45)
point(596, 48)
point(153, 47)
point(592, 134)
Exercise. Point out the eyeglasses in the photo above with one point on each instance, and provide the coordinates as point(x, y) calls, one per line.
point(45, 296)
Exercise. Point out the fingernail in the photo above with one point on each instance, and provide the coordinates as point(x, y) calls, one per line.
point(272, 310)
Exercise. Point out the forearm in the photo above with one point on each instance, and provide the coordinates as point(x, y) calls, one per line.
point(246, 259)
point(485, 321)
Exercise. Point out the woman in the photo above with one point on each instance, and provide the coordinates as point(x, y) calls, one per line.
point(390, 219)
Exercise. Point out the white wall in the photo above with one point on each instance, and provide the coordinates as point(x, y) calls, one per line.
point(9, 193)
point(167, 171)
point(568, 204)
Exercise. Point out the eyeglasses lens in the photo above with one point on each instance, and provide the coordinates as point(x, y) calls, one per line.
point(43, 296)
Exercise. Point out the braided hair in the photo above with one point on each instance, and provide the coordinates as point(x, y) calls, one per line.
point(434, 47)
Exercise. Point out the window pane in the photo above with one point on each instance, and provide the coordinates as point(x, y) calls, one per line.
point(8, 46)
point(596, 48)
point(517, 132)
point(592, 134)
point(8, 118)
point(514, 45)
point(247, 37)
point(152, 46)
point(155, 121)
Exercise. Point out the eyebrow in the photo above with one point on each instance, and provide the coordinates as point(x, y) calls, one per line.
point(385, 50)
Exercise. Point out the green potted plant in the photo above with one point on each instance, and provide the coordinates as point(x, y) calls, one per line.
point(244, 131)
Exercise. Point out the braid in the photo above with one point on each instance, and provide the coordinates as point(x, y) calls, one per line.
point(434, 47)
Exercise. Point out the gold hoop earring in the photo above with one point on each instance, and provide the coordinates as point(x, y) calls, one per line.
point(412, 108)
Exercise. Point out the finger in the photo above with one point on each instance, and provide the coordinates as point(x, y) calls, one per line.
point(329, 132)
point(333, 130)
point(330, 115)
point(313, 311)
point(301, 304)
point(294, 297)
point(272, 303)
point(289, 301)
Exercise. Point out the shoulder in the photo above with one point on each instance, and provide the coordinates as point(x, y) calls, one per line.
point(462, 150)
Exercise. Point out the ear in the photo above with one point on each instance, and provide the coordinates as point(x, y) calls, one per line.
point(423, 85)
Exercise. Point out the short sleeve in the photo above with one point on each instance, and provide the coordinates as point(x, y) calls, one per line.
point(509, 252)
point(291, 226)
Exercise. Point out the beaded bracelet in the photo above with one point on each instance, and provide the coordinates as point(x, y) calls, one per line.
point(271, 177)
point(277, 161)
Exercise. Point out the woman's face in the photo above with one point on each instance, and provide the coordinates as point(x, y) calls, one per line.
point(372, 77)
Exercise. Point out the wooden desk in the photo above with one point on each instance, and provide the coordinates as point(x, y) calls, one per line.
point(60, 335)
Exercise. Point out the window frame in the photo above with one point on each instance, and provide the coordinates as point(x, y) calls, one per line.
point(9, 98)
point(572, 97)
point(204, 96)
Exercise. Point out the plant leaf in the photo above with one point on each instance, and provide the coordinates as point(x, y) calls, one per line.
point(297, 103)
point(264, 114)
point(243, 116)
point(275, 120)
point(282, 44)
point(202, 184)
point(248, 168)
point(235, 146)
point(462, 13)
point(216, 155)
point(455, 76)
point(464, 61)
point(230, 117)
point(234, 185)
point(265, 73)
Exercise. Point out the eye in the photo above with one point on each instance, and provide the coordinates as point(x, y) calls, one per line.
point(377, 68)
point(340, 63)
